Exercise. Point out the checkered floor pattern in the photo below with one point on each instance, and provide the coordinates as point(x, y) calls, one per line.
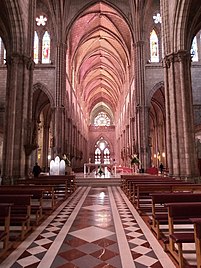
point(94, 228)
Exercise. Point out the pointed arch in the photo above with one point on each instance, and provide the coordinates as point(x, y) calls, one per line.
point(153, 90)
point(46, 91)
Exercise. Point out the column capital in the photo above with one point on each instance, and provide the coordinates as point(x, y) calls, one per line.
point(17, 58)
point(179, 56)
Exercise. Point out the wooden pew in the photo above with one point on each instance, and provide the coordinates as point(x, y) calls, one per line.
point(134, 184)
point(5, 210)
point(48, 194)
point(127, 180)
point(63, 185)
point(181, 211)
point(197, 236)
point(144, 190)
point(36, 199)
point(20, 211)
point(159, 211)
point(128, 183)
point(70, 181)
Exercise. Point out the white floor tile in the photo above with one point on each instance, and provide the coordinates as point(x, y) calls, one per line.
point(146, 260)
point(28, 261)
point(91, 234)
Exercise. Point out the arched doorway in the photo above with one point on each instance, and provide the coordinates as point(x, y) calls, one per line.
point(157, 128)
point(42, 129)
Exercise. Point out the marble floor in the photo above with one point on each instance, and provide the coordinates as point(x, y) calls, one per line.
point(94, 228)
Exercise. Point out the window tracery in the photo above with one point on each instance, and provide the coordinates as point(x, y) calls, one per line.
point(102, 119)
point(42, 42)
point(157, 18)
point(102, 152)
point(41, 20)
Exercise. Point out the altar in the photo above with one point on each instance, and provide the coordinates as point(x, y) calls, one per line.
point(88, 166)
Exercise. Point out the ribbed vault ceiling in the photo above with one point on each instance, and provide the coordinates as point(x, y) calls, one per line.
point(99, 57)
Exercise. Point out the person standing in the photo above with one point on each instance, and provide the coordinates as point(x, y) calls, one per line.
point(161, 168)
point(36, 170)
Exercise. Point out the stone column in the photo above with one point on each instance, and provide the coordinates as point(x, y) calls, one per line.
point(40, 48)
point(45, 146)
point(181, 151)
point(60, 96)
point(18, 106)
point(141, 110)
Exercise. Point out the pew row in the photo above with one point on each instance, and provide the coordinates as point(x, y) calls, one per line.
point(197, 236)
point(63, 185)
point(127, 180)
point(47, 202)
point(5, 210)
point(143, 192)
point(159, 210)
point(181, 211)
point(36, 199)
point(20, 215)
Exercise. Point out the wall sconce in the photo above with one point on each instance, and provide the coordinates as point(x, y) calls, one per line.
point(163, 154)
point(154, 155)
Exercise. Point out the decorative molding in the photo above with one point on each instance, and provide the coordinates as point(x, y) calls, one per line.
point(17, 58)
point(179, 56)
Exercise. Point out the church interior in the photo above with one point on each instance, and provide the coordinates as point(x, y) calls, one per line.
point(104, 97)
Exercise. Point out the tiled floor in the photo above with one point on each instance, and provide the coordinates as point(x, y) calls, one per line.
point(94, 228)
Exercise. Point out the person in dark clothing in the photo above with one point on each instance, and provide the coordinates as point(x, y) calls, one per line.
point(36, 170)
point(161, 168)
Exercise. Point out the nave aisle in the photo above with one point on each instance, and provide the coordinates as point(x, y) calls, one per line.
point(93, 228)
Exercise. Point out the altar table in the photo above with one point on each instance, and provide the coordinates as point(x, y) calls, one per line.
point(87, 167)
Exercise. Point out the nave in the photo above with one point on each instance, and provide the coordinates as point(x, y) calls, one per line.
point(95, 227)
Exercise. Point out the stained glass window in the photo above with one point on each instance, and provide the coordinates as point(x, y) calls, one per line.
point(2, 52)
point(106, 156)
point(46, 48)
point(102, 119)
point(4, 56)
point(102, 151)
point(97, 156)
point(36, 42)
point(194, 50)
point(154, 47)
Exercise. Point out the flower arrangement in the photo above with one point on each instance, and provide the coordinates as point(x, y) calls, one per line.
point(134, 159)
point(67, 161)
